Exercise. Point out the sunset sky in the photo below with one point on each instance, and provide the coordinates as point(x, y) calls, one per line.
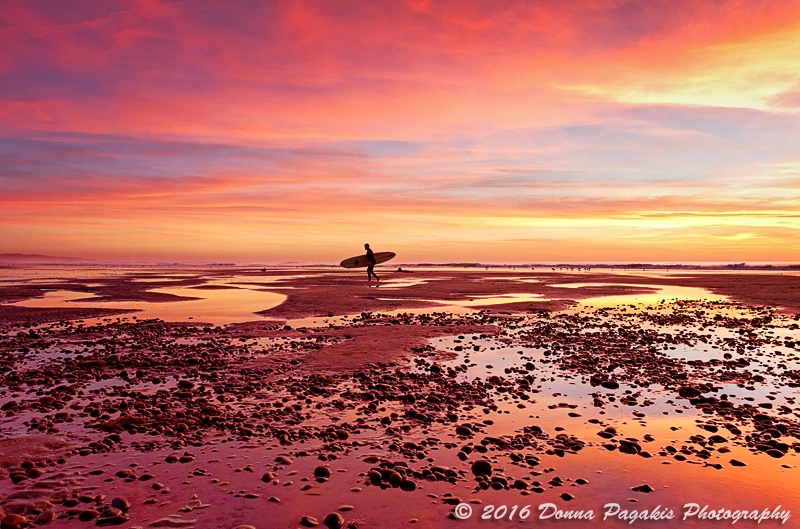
point(454, 130)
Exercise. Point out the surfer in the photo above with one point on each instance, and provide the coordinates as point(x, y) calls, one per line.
point(372, 263)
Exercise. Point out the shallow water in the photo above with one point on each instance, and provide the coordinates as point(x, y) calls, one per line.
point(663, 293)
point(216, 307)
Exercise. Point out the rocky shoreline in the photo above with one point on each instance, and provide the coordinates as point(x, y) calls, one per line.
point(386, 419)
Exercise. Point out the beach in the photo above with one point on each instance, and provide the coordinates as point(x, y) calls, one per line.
point(234, 397)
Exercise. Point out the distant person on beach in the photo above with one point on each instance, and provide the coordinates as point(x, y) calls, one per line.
point(372, 263)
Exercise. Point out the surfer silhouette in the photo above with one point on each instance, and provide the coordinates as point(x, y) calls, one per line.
point(372, 263)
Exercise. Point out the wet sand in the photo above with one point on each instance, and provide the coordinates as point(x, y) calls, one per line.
point(362, 406)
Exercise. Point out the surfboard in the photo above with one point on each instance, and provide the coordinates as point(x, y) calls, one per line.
point(361, 260)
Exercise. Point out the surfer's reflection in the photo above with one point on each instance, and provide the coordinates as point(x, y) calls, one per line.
point(372, 263)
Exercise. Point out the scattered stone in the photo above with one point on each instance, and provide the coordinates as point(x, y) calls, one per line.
point(333, 520)
point(13, 521)
point(121, 503)
point(482, 467)
point(309, 521)
point(322, 472)
point(45, 517)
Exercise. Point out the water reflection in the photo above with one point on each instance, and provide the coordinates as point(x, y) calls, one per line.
point(661, 294)
point(213, 306)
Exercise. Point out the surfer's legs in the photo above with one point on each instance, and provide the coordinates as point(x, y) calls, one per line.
point(371, 274)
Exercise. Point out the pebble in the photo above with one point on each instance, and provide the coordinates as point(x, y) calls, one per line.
point(88, 514)
point(13, 521)
point(322, 472)
point(408, 485)
point(309, 521)
point(482, 467)
point(112, 520)
point(45, 517)
point(121, 503)
point(333, 520)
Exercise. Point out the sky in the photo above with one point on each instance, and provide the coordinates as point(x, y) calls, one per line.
point(499, 131)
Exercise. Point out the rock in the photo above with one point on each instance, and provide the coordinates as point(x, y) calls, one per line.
point(737, 463)
point(267, 477)
point(88, 514)
point(394, 479)
point(308, 521)
point(121, 503)
point(13, 521)
point(566, 496)
point(629, 447)
point(482, 467)
point(643, 488)
point(113, 520)
point(408, 485)
point(45, 517)
point(322, 472)
point(333, 520)
point(688, 392)
point(463, 431)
